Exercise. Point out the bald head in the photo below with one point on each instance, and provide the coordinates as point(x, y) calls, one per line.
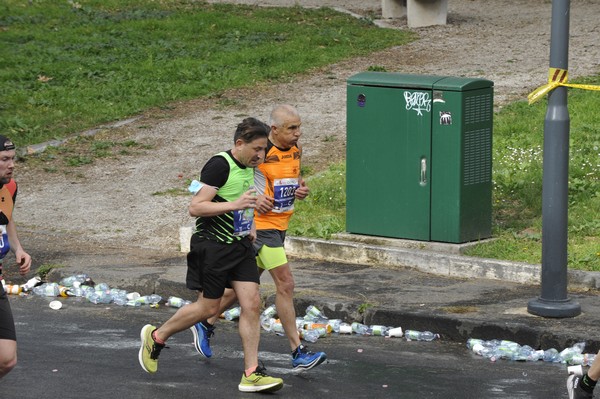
point(285, 126)
point(281, 113)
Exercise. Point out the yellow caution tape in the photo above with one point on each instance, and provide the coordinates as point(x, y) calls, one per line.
point(556, 77)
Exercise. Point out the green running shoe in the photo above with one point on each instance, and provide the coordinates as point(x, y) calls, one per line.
point(149, 350)
point(259, 381)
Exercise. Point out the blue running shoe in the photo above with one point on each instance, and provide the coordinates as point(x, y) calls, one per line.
point(302, 358)
point(202, 336)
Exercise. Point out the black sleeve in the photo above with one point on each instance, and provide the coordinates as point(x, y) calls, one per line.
point(215, 172)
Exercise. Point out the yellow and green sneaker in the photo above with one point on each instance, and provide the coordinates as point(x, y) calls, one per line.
point(259, 381)
point(149, 350)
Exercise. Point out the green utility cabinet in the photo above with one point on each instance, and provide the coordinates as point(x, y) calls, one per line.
point(419, 157)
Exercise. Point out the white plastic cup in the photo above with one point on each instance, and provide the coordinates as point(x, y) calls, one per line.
point(395, 332)
point(346, 329)
point(55, 305)
point(577, 370)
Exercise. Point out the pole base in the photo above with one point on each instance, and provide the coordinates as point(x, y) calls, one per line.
point(554, 308)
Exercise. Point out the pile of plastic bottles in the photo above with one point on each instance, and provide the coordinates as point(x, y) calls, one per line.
point(81, 285)
point(314, 325)
point(502, 349)
point(22, 289)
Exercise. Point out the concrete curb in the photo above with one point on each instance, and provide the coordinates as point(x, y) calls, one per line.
point(429, 261)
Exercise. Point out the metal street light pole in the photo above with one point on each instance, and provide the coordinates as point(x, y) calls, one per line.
point(553, 301)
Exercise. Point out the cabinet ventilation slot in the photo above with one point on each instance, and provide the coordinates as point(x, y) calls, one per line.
point(478, 109)
point(477, 156)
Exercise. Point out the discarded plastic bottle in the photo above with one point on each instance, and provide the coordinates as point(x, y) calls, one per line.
point(589, 360)
point(98, 297)
point(537, 355)
point(310, 335)
point(335, 325)
point(13, 289)
point(267, 317)
point(508, 350)
point(68, 281)
point(65, 291)
point(47, 289)
point(276, 327)
point(359, 328)
point(413, 335)
point(152, 299)
point(471, 342)
point(551, 355)
point(266, 323)
point(524, 353)
point(232, 313)
point(567, 354)
point(584, 359)
point(83, 290)
point(312, 312)
point(269, 312)
point(477, 347)
point(102, 287)
point(120, 300)
point(174, 302)
point(378, 330)
point(314, 326)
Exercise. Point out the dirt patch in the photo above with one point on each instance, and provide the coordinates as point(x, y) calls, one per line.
point(114, 199)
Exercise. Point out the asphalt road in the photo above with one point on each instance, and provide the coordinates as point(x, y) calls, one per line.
point(90, 351)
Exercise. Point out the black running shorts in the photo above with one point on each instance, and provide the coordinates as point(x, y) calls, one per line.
point(7, 323)
point(212, 266)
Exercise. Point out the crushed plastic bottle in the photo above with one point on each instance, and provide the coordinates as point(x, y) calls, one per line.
point(359, 328)
point(413, 335)
point(335, 325)
point(551, 355)
point(68, 281)
point(584, 359)
point(276, 326)
point(102, 287)
point(510, 350)
point(47, 289)
point(267, 317)
point(266, 323)
point(566, 355)
point(232, 314)
point(269, 312)
point(175, 302)
point(119, 299)
point(98, 297)
point(82, 290)
point(472, 342)
point(310, 335)
point(313, 313)
point(152, 299)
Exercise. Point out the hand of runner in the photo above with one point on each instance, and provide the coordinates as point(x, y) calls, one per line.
point(302, 191)
point(264, 203)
